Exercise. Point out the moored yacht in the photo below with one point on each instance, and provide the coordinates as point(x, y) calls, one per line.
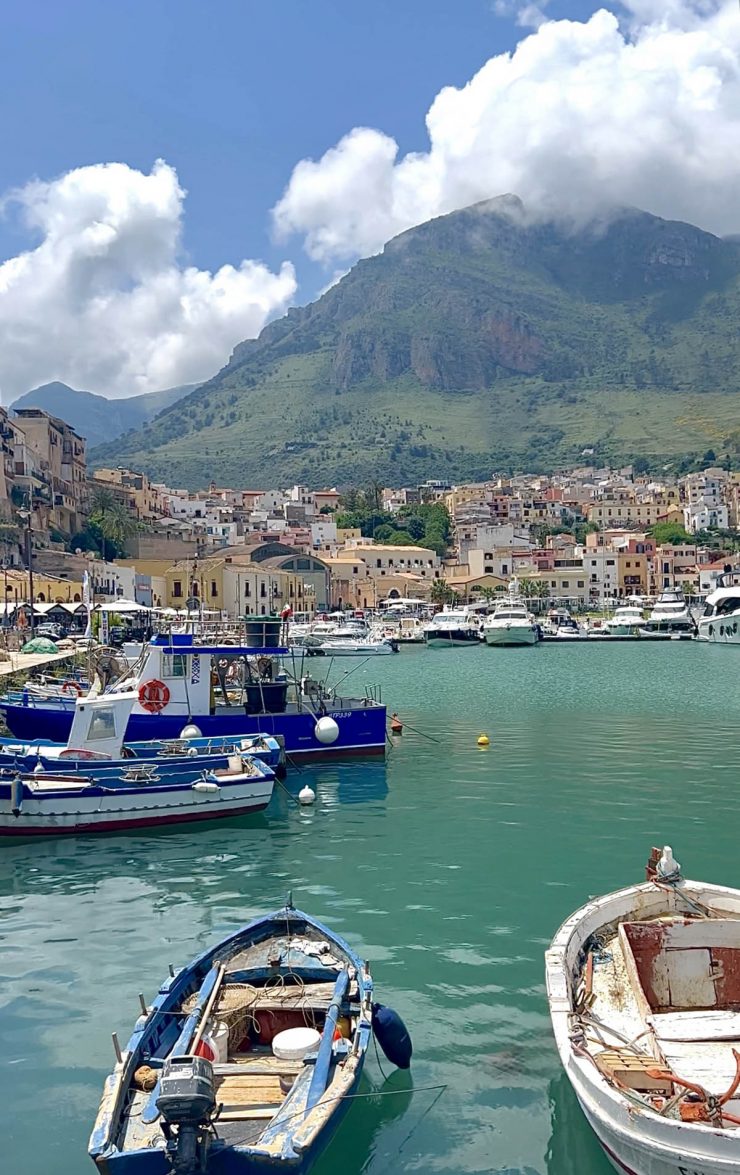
point(670, 617)
point(511, 624)
point(452, 626)
point(720, 623)
point(626, 621)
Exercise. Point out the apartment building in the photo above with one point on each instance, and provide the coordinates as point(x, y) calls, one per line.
point(50, 464)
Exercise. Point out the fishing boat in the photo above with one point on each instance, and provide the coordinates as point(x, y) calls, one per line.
point(452, 627)
point(98, 738)
point(510, 624)
point(644, 993)
point(720, 624)
point(114, 799)
point(248, 1058)
point(223, 690)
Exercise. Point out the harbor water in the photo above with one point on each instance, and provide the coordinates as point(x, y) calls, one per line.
point(448, 865)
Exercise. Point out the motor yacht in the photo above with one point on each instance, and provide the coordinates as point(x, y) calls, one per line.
point(452, 626)
point(511, 624)
point(626, 621)
point(720, 623)
point(670, 617)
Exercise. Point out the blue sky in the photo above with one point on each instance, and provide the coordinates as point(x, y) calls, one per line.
point(113, 280)
point(231, 93)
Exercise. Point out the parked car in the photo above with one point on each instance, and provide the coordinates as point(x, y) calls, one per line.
point(55, 632)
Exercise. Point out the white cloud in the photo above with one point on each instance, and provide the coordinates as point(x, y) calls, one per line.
point(103, 301)
point(581, 117)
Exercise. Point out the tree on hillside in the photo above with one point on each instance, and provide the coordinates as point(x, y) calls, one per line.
point(670, 532)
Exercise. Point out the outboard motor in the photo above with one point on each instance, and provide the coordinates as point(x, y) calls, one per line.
point(187, 1103)
point(392, 1036)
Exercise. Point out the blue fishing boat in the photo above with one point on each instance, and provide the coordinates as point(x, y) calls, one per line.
point(225, 691)
point(248, 1057)
point(97, 739)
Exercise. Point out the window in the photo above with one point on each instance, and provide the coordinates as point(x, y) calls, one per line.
point(580, 583)
point(247, 589)
point(488, 568)
point(354, 571)
point(610, 562)
point(564, 583)
point(174, 664)
point(263, 593)
point(214, 588)
point(553, 583)
point(377, 562)
point(177, 589)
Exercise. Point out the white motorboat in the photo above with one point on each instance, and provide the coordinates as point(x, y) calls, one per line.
point(347, 647)
point(720, 623)
point(452, 626)
point(564, 627)
point(644, 993)
point(670, 617)
point(626, 621)
point(510, 624)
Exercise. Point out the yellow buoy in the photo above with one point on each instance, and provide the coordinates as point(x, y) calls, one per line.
point(483, 740)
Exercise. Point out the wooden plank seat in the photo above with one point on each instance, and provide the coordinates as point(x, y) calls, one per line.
point(249, 1096)
point(313, 996)
point(259, 1066)
point(704, 1024)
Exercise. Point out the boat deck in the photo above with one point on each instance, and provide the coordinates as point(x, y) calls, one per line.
point(694, 1044)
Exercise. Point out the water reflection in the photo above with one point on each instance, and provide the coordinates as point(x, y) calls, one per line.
point(573, 1145)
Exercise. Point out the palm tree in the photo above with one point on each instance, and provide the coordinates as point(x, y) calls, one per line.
point(534, 589)
point(111, 517)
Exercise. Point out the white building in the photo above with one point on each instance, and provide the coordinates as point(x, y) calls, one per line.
point(703, 517)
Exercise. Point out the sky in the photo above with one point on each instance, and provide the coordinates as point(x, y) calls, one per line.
point(174, 173)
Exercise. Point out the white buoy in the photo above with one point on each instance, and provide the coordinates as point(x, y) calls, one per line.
point(306, 795)
point(326, 731)
point(191, 731)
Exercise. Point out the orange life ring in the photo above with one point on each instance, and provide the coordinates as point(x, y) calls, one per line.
point(70, 686)
point(153, 695)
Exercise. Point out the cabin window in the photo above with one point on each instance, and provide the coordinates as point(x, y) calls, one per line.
point(177, 589)
point(103, 724)
point(174, 664)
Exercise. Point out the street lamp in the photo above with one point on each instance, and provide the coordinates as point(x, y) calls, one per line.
point(27, 517)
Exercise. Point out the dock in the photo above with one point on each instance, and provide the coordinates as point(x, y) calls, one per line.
point(25, 662)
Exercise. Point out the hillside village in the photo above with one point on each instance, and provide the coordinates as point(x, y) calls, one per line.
point(584, 536)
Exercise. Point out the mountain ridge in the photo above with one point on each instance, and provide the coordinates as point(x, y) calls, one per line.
point(95, 417)
point(480, 338)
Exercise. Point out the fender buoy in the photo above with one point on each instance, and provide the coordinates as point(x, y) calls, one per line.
point(392, 1035)
point(72, 687)
point(153, 696)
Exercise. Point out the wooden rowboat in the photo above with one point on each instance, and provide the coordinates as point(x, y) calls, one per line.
point(204, 1084)
point(644, 993)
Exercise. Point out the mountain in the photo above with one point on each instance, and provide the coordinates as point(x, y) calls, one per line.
point(479, 340)
point(94, 417)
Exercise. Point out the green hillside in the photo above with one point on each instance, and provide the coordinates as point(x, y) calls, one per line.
point(475, 341)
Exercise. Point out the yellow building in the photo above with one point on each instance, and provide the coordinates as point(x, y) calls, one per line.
point(226, 583)
point(611, 512)
point(632, 573)
point(47, 589)
point(134, 490)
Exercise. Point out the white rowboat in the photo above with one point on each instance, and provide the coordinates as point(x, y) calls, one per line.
point(644, 993)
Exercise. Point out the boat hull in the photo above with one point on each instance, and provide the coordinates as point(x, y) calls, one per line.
point(99, 809)
point(719, 631)
point(361, 729)
point(446, 638)
point(510, 636)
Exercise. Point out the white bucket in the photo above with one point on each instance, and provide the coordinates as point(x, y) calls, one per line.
point(235, 764)
point(294, 1043)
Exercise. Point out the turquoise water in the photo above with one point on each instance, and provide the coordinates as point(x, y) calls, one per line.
point(448, 865)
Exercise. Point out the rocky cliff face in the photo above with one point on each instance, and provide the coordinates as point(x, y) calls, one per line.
point(483, 302)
